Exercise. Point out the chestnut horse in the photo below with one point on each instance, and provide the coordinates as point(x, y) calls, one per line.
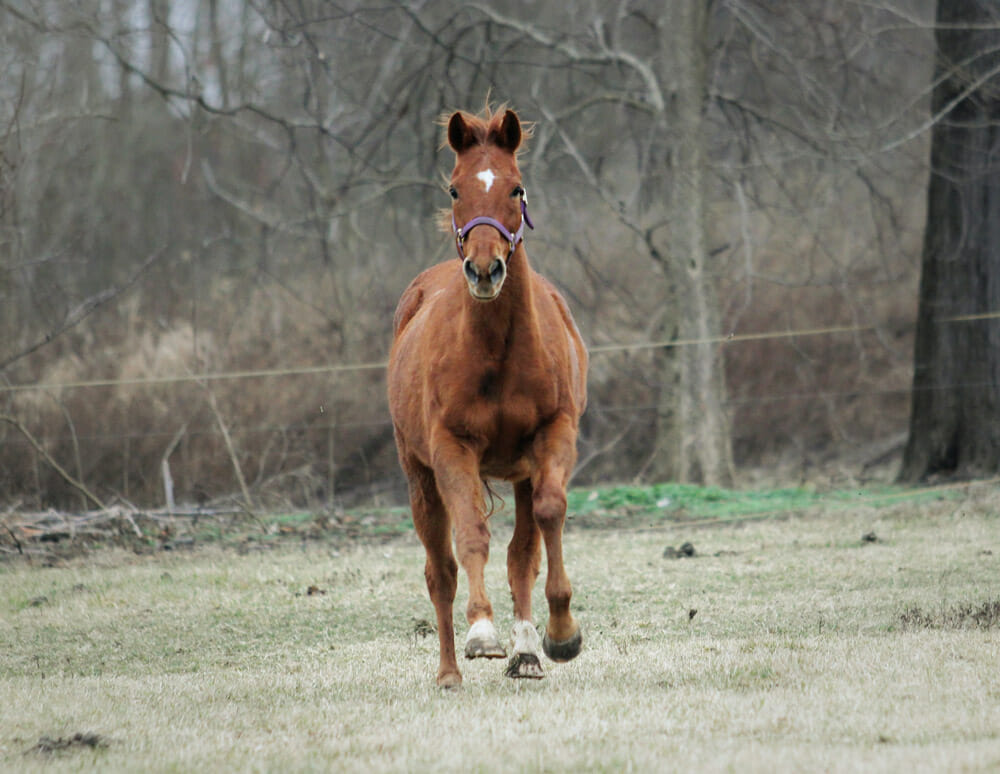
point(487, 379)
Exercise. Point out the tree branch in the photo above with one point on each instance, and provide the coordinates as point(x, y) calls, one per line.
point(76, 484)
point(83, 310)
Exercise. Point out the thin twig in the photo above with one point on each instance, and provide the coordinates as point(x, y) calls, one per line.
point(13, 537)
point(247, 501)
point(78, 485)
point(83, 310)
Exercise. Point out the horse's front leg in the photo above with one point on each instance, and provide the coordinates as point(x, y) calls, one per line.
point(456, 469)
point(554, 452)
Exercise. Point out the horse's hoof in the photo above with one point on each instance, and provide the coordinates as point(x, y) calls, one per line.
point(566, 650)
point(524, 665)
point(449, 681)
point(482, 641)
point(484, 648)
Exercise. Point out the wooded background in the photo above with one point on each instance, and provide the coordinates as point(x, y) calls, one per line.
point(208, 209)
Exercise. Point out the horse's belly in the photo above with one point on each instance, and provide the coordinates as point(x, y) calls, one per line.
point(507, 455)
point(507, 469)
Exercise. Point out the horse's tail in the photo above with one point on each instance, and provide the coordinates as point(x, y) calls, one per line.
point(494, 497)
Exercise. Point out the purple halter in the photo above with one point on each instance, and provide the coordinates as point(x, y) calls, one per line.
point(513, 237)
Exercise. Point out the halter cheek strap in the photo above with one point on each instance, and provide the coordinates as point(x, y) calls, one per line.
point(513, 237)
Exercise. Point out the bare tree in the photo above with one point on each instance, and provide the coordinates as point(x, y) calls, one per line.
point(956, 375)
point(704, 453)
point(697, 169)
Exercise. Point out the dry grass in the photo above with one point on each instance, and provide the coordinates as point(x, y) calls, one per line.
point(800, 656)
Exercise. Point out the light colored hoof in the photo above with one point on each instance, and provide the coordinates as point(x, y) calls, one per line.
point(449, 681)
point(524, 666)
point(482, 641)
point(484, 649)
point(525, 663)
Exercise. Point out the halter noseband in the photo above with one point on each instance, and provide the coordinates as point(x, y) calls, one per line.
point(513, 237)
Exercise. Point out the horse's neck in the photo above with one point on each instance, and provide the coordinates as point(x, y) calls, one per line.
point(510, 320)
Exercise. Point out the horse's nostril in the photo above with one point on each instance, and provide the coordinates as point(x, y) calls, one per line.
point(497, 271)
point(470, 271)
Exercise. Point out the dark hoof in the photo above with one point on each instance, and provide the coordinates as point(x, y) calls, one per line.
point(524, 665)
point(484, 648)
point(566, 650)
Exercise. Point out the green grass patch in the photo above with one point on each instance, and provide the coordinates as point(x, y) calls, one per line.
point(688, 501)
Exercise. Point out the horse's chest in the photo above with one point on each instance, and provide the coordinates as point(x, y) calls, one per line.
point(502, 410)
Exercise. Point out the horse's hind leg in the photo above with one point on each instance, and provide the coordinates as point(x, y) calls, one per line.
point(430, 520)
point(523, 560)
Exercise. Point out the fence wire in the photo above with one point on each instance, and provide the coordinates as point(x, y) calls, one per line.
point(597, 349)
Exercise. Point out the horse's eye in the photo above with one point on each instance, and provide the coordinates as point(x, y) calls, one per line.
point(453, 192)
point(518, 191)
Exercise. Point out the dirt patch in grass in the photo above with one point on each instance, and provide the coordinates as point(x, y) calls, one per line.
point(48, 745)
point(964, 616)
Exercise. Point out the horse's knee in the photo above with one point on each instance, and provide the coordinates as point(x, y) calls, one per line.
point(472, 540)
point(549, 507)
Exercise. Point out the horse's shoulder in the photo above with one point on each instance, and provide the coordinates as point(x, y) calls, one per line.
point(577, 350)
point(552, 292)
point(423, 287)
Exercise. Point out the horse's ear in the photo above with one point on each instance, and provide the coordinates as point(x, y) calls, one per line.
point(460, 134)
point(508, 135)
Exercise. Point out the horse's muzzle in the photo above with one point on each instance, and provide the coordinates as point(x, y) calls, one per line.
point(484, 285)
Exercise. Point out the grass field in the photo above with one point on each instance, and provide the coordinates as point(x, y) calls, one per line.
point(788, 642)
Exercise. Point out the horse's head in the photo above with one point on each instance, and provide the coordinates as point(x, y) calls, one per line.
point(488, 211)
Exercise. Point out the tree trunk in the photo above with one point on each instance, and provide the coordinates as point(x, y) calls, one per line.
point(218, 54)
point(693, 426)
point(955, 420)
point(159, 39)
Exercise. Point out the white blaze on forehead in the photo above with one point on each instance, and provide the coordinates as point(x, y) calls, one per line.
point(487, 177)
